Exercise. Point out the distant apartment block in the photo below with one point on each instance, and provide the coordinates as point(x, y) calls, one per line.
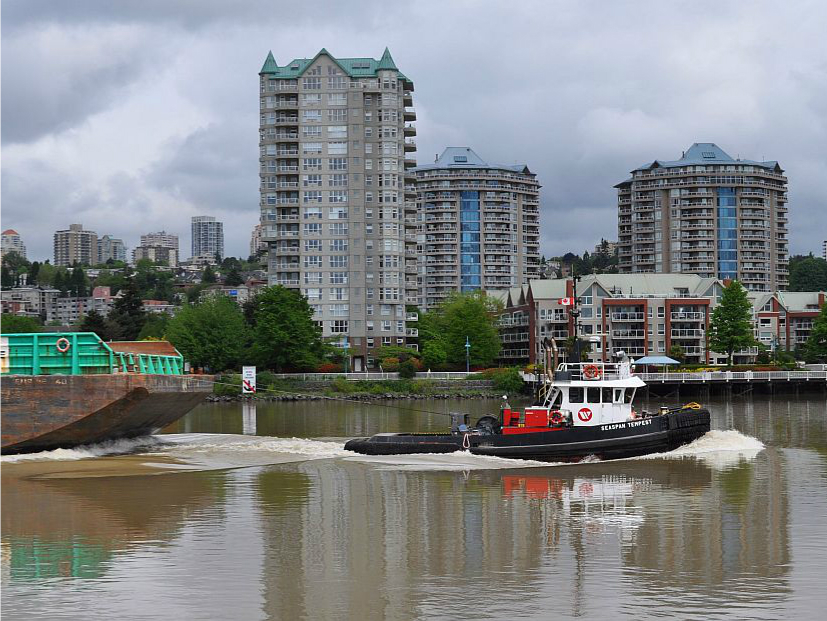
point(161, 239)
point(645, 314)
point(207, 236)
point(111, 248)
point(75, 245)
point(156, 254)
point(11, 242)
point(337, 195)
point(708, 214)
point(256, 243)
point(478, 225)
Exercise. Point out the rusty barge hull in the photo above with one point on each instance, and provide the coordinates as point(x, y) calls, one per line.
point(46, 412)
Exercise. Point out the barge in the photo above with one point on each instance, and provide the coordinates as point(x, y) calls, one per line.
point(61, 390)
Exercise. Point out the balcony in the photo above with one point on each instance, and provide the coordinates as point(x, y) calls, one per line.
point(687, 316)
point(687, 334)
point(628, 316)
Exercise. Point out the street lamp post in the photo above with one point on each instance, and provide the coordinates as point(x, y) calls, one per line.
point(467, 355)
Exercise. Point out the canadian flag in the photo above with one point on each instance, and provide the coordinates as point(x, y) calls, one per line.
point(566, 301)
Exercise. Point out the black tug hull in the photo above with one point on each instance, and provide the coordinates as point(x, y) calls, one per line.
point(654, 434)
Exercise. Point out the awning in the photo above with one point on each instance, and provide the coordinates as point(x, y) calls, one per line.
point(655, 360)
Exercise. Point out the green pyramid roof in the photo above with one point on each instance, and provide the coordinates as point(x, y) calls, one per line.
point(270, 65)
point(387, 61)
point(353, 67)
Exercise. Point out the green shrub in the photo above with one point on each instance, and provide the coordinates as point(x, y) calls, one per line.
point(407, 369)
point(227, 385)
point(340, 384)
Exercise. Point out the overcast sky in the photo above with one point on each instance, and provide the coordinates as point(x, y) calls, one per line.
point(131, 116)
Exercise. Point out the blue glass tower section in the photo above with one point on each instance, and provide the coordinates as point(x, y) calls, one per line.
point(469, 215)
point(727, 234)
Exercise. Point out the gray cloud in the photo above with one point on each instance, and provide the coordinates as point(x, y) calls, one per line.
point(582, 92)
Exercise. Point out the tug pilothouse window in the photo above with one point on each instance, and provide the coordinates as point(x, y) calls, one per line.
point(618, 395)
point(593, 395)
point(556, 399)
point(630, 394)
point(607, 395)
point(575, 394)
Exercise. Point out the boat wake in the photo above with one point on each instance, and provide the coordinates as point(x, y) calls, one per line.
point(104, 449)
point(210, 443)
point(716, 448)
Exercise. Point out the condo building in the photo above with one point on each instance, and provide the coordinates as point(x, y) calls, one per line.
point(478, 225)
point(11, 242)
point(338, 209)
point(706, 214)
point(74, 245)
point(111, 248)
point(161, 239)
point(207, 236)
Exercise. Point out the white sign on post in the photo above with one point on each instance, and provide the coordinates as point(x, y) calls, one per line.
point(248, 380)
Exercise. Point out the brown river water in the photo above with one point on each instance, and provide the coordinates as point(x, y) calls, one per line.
point(256, 512)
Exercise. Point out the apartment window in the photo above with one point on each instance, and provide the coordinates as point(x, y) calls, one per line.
point(337, 83)
point(661, 311)
point(337, 180)
point(312, 260)
point(312, 228)
point(337, 196)
point(312, 245)
point(368, 133)
point(386, 326)
point(312, 180)
point(312, 83)
point(661, 329)
point(337, 147)
point(337, 163)
point(338, 260)
point(312, 278)
point(338, 213)
point(313, 294)
point(312, 131)
point(368, 147)
point(312, 115)
point(312, 147)
point(338, 228)
point(368, 198)
point(339, 326)
point(312, 196)
point(338, 310)
point(338, 278)
point(337, 99)
point(312, 213)
point(368, 100)
point(312, 163)
point(338, 293)
point(311, 99)
point(337, 131)
point(338, 245)
point(337, 115)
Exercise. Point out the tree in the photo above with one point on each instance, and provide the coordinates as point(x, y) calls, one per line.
point(154, 327)
point(433, 354)
point(816, 348)
point(808, 274)
point(7, 279)
point(127, 317)
point(16, 324)
point(60, 281)
point(208, 275)
point(211, 334)
point(730, 328)
point(285, 335)
point(95, 322)
point(77, 283)
point(676, 352)
point(459, 316)
point(233, 278)
point(46, 274)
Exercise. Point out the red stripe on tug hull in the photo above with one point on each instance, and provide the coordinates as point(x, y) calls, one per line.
point(515, 430)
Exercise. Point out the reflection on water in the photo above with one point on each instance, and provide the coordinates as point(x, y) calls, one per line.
point(340, 537)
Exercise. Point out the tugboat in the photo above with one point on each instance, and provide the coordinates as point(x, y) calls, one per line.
point(583, 410)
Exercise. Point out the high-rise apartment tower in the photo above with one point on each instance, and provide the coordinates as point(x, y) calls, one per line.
point(706, 214)
point(160, 238)
point(75, 245)
point(12, 242)
point(338, 206)
point(207, 236)
point(479, 225)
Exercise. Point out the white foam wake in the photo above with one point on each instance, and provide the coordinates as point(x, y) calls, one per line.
point(226, 443)
point(719, 449)
point(111, 447)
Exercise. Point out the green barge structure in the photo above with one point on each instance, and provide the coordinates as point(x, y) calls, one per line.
point(61, 390)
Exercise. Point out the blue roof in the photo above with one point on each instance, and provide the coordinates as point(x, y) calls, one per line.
point(702, 153)
point(656, 360)
point(465, 157)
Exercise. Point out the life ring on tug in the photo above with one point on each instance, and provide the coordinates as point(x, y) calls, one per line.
point(591, 372)
point(63, 345)
point(557, 417)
